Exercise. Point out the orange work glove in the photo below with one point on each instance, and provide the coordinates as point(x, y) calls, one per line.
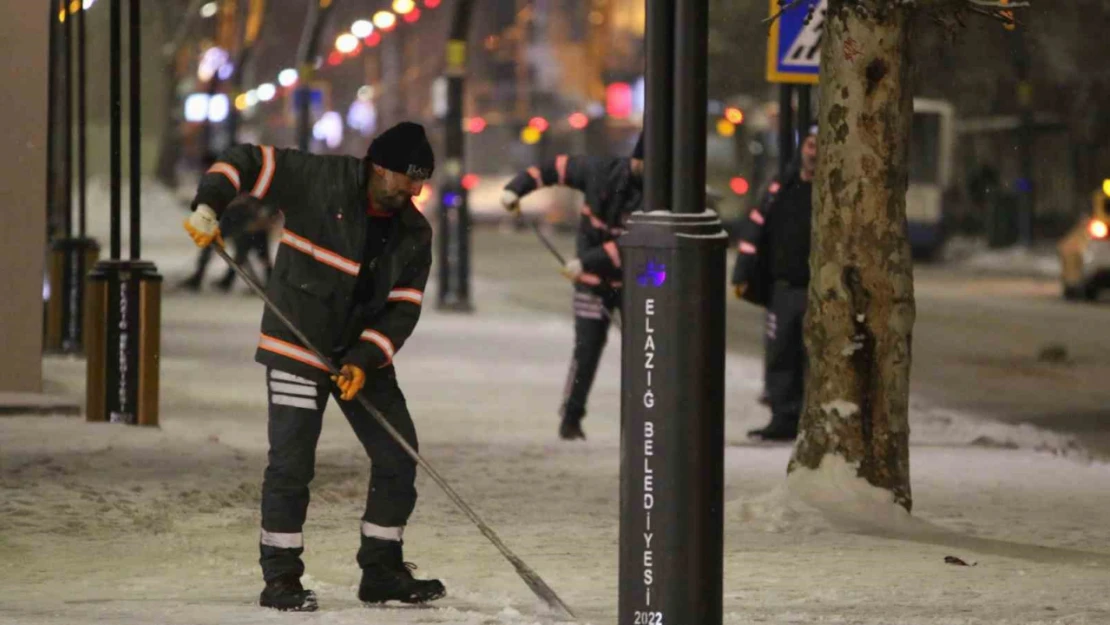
point(203, 226)
point(350, 381)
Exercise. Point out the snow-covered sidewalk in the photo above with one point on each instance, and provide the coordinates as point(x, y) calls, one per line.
point(103, 523)
point(111, 524)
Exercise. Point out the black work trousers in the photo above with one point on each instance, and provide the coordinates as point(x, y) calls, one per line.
point(785, 352)
point(296, 417)
point(592, 317)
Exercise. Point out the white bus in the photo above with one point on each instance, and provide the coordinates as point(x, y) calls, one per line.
point(932, 149)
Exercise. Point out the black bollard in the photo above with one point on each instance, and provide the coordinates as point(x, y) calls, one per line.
point(124, 329)
point(672, 354)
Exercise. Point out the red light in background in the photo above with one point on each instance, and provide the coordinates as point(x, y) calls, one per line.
point(538, 123)
point(739, 186)
point(578, 121)
point(374, 39)
point(734, 115)
point(470, 181)
point(475, 125)
point(335, 58)
point(618, 100)
point(431, 4)
point(357, 51)
point(412, 16)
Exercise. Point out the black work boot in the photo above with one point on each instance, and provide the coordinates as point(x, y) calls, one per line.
point(387, 577)
point(780, 429)
point(571, 429)
point(287, 594)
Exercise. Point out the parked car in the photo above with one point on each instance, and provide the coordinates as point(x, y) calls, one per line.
point(1085, 251)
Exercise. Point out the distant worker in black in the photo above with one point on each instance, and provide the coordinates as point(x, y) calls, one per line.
point(772, 270)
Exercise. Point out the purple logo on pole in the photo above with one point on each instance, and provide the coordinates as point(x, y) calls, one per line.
point(653, 275)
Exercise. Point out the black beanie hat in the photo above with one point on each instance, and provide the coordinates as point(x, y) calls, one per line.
point(638, 151)
point(404, 149)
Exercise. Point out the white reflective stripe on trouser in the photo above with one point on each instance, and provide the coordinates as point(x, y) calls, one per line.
point(282, 541)
point(370, 530)
point(289, 377)
point(294, 401)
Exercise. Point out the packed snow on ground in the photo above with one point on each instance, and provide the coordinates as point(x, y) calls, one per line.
point(112, 524)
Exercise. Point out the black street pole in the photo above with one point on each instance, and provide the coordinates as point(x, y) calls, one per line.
point(115, 123)
point(805, 109)
point(658, 107)
point(52, 124)
point(786, 126)
point(318, 12)
point(672, 354)
point(135, 85)
point(82, 125)
point(1027, 191)
point(67, 63)
point(454, 205)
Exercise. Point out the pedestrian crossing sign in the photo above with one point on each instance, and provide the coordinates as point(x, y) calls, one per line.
point(794, 43)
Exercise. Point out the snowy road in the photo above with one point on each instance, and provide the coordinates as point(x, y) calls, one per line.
point(976, 340)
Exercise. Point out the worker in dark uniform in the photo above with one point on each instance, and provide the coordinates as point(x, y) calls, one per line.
point(613, 189)
point(772, 270)
point(350, 274)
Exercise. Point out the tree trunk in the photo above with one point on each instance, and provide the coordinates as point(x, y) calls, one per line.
point(861, 306)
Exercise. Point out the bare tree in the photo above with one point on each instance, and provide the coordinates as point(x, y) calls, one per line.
point(860, 317)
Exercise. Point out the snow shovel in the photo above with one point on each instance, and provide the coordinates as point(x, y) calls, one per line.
point(562, 262)
point(530, 577)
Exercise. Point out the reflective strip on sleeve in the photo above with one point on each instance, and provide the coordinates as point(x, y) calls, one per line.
point(747, 248)
point(594, 221)
point(262, 185)
point(325, 256)
point(382, 341)
point(406, 295)
point(289, 350)
point(756, 216)
point(536, 175)
point(561, 167)
point(591, 279)
point(228, 171)
point(614, 253)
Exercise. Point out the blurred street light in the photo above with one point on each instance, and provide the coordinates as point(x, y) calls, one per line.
point(365, 93)
point(218, 108)
point(431, 4)
point(288, 77)
point(196, 107)
point(385, 20)
point(266, 91)
point(539, 124)
point(209, 10)
point(725, 128)
point(475, 125)
point(734, 115)
point(470, 181)
point(412, 16)
point(374, 39)
point(530, 135)
point(362, 29)
point(578, 121)
point(241, 102)
point(739, 185)
point(403, 7)
point(346, 43)
point(618, 100)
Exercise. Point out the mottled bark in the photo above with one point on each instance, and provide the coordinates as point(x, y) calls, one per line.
point(861, 305)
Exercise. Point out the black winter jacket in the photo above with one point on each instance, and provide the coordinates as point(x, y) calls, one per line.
point(324, 199)
point(612, 193)
point(769, 245)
